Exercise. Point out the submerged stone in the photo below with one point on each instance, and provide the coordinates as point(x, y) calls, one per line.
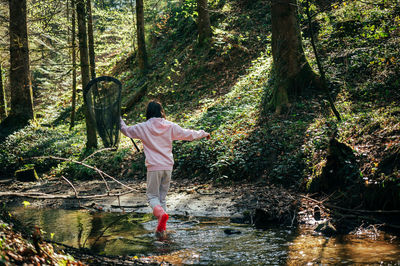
point(230, 231)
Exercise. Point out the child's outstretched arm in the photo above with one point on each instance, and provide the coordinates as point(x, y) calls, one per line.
point(179, 133)
point(130, 132)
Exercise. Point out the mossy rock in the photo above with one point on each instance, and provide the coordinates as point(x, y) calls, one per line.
point(26, 175)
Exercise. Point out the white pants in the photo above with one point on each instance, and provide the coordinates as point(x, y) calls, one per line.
point(157, 187)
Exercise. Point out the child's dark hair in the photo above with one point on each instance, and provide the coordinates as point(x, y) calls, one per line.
point(154, 109)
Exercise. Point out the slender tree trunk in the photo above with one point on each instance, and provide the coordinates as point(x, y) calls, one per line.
point(320, 68)
point(73, 45)
point(83, 49)
point(3, 101)
point(133, 10)
point(142, 54)
point(68, 29)
point(91, 40)
point(203, 22)
point(292, 72)
point(20, 82)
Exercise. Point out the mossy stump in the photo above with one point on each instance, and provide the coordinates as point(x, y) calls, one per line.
point(340, 171)
point(26, 175)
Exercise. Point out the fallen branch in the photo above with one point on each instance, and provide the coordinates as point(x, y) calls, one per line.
point(100, 172)
point(94, 153)
point(76, 193)
point(40, 195)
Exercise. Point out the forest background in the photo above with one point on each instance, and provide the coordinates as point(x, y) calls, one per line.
point(227, 77)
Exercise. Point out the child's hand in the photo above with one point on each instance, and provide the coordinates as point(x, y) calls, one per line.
point(208, 136)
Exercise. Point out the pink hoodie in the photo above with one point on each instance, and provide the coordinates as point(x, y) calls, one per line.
point(157, 135)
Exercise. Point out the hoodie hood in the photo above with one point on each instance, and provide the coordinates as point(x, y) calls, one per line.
point(158, 126)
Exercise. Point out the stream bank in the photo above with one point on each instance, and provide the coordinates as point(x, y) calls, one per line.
point(201, 211)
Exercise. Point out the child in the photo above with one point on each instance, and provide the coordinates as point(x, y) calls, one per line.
point(157, 135)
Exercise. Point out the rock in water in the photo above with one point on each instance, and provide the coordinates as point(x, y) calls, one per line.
point(326, 228)
point(230, 231)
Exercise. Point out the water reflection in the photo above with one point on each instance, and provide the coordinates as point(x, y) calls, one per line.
point(203, 241)
point(308, 248)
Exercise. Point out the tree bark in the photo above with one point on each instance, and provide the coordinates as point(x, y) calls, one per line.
point(142, 54)
point(73, 45)
point(91, 40)
point(203, 23)
point(292, 72)
point(83, 50)
point(20, 82)
point(3, 101)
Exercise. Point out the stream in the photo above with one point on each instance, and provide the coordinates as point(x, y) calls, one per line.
point(200, 240)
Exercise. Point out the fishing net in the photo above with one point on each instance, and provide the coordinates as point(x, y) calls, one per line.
point(103, 98)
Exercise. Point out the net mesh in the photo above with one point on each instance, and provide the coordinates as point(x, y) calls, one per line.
point(103, 98)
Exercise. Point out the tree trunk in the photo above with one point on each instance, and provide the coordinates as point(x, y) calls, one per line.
point(83, 50)
point(91, 40)
point(292, 72)
point(203, 22)
point(20, 82)
point(3, 101)
point(133, 10)
point(142, 55)
point(73, 45)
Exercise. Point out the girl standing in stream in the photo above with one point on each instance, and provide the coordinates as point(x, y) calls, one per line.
point(157, 135)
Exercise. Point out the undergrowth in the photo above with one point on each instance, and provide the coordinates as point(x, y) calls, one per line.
point(220, 89)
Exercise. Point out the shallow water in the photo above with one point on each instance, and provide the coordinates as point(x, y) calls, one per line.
point(203, 241)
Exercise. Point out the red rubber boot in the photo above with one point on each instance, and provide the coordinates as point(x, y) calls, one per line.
point(162, 216)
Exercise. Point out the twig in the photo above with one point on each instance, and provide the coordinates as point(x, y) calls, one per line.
point(107, 187)
point(91, 155)
point(76, 193)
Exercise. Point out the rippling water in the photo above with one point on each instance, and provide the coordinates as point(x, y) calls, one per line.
point(203, 241)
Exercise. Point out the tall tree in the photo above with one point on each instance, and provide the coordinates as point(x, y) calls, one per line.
point(292, 72)
point(3, 101)
point(73, 45)
point(142, 54)
point(91, 40)
point(20, 82)
point(203, 22)
point(83, 51)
